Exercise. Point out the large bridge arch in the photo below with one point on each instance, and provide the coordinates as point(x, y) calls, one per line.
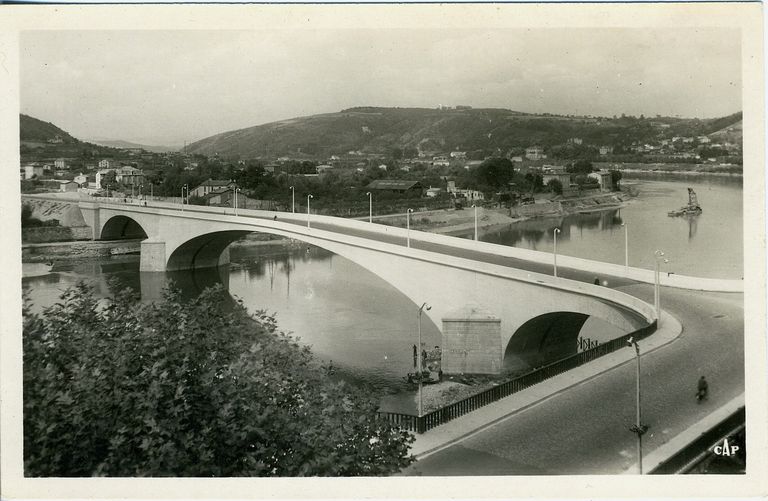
point(119, 227)
point(198, 238)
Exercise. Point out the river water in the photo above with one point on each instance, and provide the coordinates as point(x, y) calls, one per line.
point(368, 328)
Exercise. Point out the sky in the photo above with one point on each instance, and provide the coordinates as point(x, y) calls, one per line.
point(168, 87)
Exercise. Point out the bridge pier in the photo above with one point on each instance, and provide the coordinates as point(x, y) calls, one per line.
point(471, 342)
point(91, 215)
point(152, 256)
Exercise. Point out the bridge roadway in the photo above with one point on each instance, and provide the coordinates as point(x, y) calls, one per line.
point(585, 430)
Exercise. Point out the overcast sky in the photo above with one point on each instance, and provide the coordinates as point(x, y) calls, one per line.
point(171, 86)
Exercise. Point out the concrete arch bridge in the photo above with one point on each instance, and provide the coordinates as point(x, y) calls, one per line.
point(484, 309)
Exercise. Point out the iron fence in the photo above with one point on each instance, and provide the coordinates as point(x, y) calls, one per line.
point(507, 388)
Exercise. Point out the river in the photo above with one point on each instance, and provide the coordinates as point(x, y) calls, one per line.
point(368, 328)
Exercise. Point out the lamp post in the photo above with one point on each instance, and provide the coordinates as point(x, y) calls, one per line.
point(475, 207)
point(151, 191)
point(141, 190)
point(408, 227)
point(183, 187)
point(308, 197)
point(638, 428)
point(658, 256)
point(237, 190)
point(626, 247)
point(419, 368)
point(554, 254)
point(370, 206)
point(293, 200)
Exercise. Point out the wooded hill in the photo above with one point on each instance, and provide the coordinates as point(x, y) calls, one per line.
point(408, 130)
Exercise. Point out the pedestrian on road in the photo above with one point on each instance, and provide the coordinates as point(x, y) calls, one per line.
point(702, 389)
point(597, 281)
point(423, 358)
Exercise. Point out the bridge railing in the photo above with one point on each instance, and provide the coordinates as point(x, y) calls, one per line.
point(510, 387)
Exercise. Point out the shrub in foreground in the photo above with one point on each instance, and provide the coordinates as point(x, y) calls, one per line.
point(188, 388)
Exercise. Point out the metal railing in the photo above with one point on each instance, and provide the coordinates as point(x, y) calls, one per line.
point(507, 388)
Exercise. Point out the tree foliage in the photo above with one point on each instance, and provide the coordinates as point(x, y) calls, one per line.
point(188, 388)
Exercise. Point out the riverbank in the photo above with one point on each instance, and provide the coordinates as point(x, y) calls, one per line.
point(459, 222)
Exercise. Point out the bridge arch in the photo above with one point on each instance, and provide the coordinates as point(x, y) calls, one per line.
point(544, 338)
point(122, 227)
point(204, 251)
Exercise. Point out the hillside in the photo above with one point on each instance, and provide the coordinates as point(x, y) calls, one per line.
point(383, 130)
point(32, 129)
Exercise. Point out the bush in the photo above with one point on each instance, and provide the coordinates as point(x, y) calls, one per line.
point(188, 388)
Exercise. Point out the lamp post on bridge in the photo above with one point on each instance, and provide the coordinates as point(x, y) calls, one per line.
point(293, 200)
point(420, 350)
point(183, 187)
point(151, 191)
point(658, 257)
point(408, 227)
point(308, 197)
point(237, 190)
point(554, 254)
point(475, 207)
point(370, 206)
point(638, 428)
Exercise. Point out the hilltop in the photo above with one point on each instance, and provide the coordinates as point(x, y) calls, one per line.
point(128, 145)
point(37, 131)
point(408, 130)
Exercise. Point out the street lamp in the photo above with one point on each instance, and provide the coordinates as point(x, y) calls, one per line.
point(475, 207)
point(183, 187)
point(308, 197)
point(293, 200)
point(554, 254)
point(658, 256)
point(626, 247)
point(638, 428)
point(370, 206)
point(151, 191)
point(419, 368)
point(408, 227)
point(236, 192)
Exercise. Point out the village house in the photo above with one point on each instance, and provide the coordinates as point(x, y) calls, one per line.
point(603, 178)
point(396, 186)
point(606, 150)
point(535, 153)
point(210, 186)
point(33, 170)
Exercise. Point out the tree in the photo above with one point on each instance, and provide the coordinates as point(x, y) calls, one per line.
point(188, 388)
point(109, 177)
point(495, 173)
point(555, 186)
point(580, 167)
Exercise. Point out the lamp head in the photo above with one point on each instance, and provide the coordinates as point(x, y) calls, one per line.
point(429, 307)
point(557, 230)
point(368, 193)
point(410, 210)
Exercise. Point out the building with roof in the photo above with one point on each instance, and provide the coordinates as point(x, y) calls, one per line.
point(210, 186)
point(396, 186)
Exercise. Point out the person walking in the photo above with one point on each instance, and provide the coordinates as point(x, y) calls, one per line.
point(702, 388)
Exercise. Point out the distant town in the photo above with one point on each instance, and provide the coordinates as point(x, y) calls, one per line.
point(431, 169)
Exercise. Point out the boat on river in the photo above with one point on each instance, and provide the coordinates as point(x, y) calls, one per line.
point(692, 209)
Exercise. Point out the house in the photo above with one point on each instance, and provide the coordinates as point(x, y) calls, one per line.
point(226, 198)
point(575, 140)
point(68, 186)
point(460, 155)
point(33, 170)
point(704, 140)
point(433, 192)
point(106, 163)
point(81, 179)
point(60, 163)
point(383, 167)
point(396, 186)
point(210, 186)
point(603, 178)
point(516, 159)
point(320, 169)
point(129, 175)
point(56, 140)
point(606, 150)
point(534, 153)
point(563, 177)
